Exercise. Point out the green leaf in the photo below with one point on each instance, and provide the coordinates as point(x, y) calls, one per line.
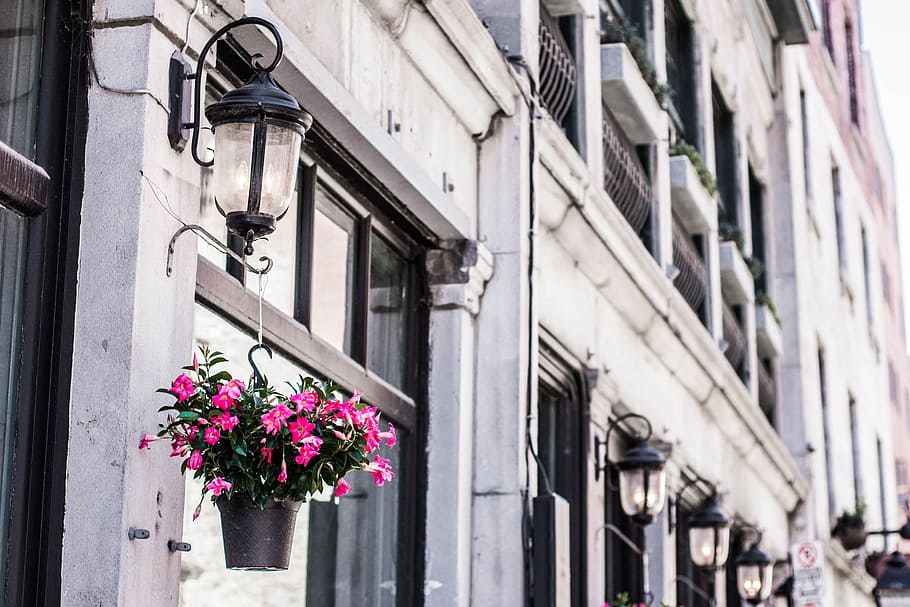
point(188, 415)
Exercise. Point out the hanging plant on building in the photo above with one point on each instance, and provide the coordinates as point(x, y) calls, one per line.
point(260, 454)
point(850, 528)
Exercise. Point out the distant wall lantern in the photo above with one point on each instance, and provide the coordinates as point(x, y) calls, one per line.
point(258, 131)
point(893, 586)
point(642, 478)
point(642, 487)
point(754, 573)
point(709, 536)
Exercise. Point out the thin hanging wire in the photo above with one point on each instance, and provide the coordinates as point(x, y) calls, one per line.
point(261, 291)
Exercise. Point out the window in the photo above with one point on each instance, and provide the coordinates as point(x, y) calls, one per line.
point(882, 487)
point(561, 438)
point(804, 121)
point(681, 73)
point(827, 38)
point(838, 218)
point(857, 456)
point(725, 159)
point(867, 286)
point(759, 254)
point(851, 73)
point(558, 72)
point(343, 306)
point(43, 53)
point(826, 431)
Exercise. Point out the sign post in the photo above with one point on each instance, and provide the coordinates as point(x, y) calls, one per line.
point(808, 560)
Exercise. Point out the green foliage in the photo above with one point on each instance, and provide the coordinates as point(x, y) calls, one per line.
point(622, 600)
point(732, 233)
point(857, 517)
point(614, 33)
point(681, 148)
point(763, 299)
point(756, 267)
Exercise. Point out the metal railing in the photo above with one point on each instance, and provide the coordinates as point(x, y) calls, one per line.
point(558, 74)
point(625, 179)
point(735, 338)
point(767, 392)
point(692, 281)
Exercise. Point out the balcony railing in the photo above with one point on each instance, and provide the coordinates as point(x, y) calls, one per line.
point(767, 392)
point(625, 179)
point(735, 338)
point(692, 281)
point(558, 74)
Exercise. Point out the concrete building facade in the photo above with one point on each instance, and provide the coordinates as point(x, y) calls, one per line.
point(515, 223)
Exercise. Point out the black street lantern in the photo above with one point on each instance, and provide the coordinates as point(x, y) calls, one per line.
point(893, 587)
point(754, 573)
point(258, 129)
point(709, 536)
point(642, 479)
point(642, 482)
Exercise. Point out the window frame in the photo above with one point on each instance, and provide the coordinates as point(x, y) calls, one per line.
point(569, 387)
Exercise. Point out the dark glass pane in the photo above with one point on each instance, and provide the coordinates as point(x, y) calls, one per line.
point(20, 66)
point(388, 319)
point(334, 237)
point(12, 260)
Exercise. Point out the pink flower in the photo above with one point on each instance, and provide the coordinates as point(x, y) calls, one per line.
point(340, 435)
point(380, 469)
point(226, 421)
point(183, 387)
point(305, 401)
point(308, 450)
point(342, 487)
point(236, 386)
point(179, 446)
point(147, 440)
point(267, 454)
point(197, 512)
point(211, 435)
point(223, 401)
point(195, 460)
point(283, 473)
point(218, 485)
point(192, 433)
point(274, 419)
point(300, 429)
point(195, 364)
point(390, 437)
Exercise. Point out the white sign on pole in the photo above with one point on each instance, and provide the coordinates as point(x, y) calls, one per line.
point(808, 560)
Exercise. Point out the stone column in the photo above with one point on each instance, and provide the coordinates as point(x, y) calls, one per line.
point(457, 273)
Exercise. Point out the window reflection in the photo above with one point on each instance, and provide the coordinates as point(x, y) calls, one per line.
point(388, 317)
point(20, 65)
point(12, 262)
point(332, 285)
point(344, 553)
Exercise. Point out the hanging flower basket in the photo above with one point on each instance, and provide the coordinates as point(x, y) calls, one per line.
point(851, 531)
point(260, 454)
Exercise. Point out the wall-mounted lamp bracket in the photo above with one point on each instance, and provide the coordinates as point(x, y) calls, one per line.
point(138, 534)
point(180, 81)
point(605, 443)
point(210, 239)
point(175, 546)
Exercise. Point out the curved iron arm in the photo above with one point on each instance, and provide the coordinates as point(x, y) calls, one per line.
point(606, 441)
point(681, 578)
point(757, 534)
point(200, 65)
point(210, 239)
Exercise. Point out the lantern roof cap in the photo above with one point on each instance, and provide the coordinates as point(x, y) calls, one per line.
point(896, 575)
point(709, 515)
point(260, 95)
point(641, 455)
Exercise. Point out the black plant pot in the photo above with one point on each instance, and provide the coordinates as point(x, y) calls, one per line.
point(851, 535)
point(257, 539)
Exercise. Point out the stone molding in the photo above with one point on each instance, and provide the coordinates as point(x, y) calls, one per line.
point(457, 273)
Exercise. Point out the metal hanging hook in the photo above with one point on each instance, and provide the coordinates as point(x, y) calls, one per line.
point(258, 379)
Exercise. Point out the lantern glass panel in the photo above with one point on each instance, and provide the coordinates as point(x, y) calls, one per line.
point(233, 158)
point(702, 547)
point(754, 581)
point(632, 491)
point(279, 170)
